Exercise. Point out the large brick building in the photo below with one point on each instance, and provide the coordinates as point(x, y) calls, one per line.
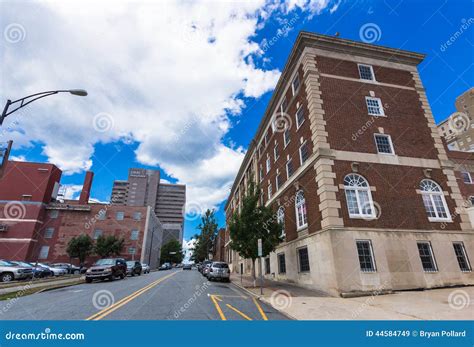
point(36, 224)
point(350, 159)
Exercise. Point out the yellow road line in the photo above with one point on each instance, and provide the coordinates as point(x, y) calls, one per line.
point(106, 311)
point(264, 316)
point(218, 308)
point(239, 312)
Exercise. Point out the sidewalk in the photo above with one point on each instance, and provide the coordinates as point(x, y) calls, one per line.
point(28, 285)
point(304, 304)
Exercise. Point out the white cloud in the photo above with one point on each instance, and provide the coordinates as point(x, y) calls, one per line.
point(71, 191)
point(17, 158)
point(187, 248)
point(167, 75)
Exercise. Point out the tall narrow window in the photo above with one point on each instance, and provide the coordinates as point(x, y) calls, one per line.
point(260, 173)
point(270, 191)
point(53, 214)
point(134, 235)
point(48, 233)
point(267, 266)
point(286, 137)
point(281, 263)
point(466, 177)
point(304, 153)
point(278, 181)
point(284, 105)
point(300, 205)
point(44, 251)
point(434, 201)
point(461, 256)
point(359, 197)
point(303, 260)
point(268, 164)
point(299, 117)
point(384, 144)
point(366, 72)
point(281, 220)
point(119, 215)
point(426, 256)
point(374, 106)
point(289, 168)
point(366, 255)
point(296, 84)
point(276, 154)
point(97, 234)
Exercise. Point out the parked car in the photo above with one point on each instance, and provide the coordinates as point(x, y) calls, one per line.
point(145, 268)
point(38, 271)
point(187, 267)
point(165, 266)
point(203, 265)
point(205, 269)
point(134, 268)
point(218, 271)
point(56, 271)
point(71, 269)
point(10, 272)
point(110, 268)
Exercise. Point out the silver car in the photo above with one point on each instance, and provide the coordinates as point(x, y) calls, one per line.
point(10, 272)
point(218, 271)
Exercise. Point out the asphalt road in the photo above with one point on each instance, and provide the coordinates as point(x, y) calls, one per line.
point(175, 294)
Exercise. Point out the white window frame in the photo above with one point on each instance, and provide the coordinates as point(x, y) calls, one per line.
point(301, 155)
point(268, 164)
point(379, 101)
point(283, 101)
point(357, 190)
point(372, 257)
point(433, 205)
point(133, 232)
point(117, 214)
point(464, 253)
point(433, 259)
point(371, 71)
point(44, 252)
point(304, 218)
point(468, 175)
point(269, 190)
point(392, 149)
point(284, 138)
point(281, 220)
point(286, 167)
point(298, 125)
point(277, 186)
point(293, 90)
point(46, 233)
point(276, 155)
point(260, 171)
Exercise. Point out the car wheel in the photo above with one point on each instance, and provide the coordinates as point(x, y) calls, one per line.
point(139, 273)
point(76, 272)
point(6, 277)
point(122, 276)
point(111, 277)
point(88, 280)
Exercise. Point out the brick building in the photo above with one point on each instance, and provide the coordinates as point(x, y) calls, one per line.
point(144, 188)
point(36, 225)
point(350, 159)
point(219, 246)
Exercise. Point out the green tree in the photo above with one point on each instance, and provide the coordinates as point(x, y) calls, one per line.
point(172, 252)
point(109, 245)
point(252, 223)
point(207, 236)
point(80, 247)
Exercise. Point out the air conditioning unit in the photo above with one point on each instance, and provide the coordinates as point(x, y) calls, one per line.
point(3, 227)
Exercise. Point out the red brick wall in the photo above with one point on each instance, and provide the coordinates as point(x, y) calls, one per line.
point(401, 206)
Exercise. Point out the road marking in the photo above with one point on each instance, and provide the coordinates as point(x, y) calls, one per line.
point(108, 310)
point(264, 316)
point(239, 312)
point(218, 308)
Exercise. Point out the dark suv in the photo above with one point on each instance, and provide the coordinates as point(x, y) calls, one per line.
point(110, 268)
point(134, 268)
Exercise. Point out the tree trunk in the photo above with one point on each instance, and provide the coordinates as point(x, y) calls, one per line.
point(253, 273)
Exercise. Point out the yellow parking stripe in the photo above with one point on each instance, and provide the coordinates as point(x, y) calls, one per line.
point(264, 316)
point(108, 310)
point(218, 308)
point(239, 312)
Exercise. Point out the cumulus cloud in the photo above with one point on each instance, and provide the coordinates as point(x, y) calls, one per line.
point(170, 76)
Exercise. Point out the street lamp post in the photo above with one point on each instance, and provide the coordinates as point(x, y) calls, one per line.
point(33, 97)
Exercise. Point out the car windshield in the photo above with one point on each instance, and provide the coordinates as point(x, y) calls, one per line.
point(24, 264)
point(5, 263)
point(102, 262)
point(220, 265)
point(143, 264)
point(130, 263)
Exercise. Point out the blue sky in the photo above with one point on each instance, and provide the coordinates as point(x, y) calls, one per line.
point(182, 87)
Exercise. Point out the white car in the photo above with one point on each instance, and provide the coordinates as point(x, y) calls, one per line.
point(55, 270)
point(145, 268)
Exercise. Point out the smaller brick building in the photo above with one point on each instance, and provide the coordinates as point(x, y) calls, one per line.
point(36, 225)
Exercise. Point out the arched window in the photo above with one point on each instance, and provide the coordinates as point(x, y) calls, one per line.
point(300, 204)
point(434, 201)
point(358, 196)
point(281, 220)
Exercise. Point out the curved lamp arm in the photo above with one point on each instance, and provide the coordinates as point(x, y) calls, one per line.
point(33, 97)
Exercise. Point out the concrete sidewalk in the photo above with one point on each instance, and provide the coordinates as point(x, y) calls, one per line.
point(27, 285)
point(304, 304)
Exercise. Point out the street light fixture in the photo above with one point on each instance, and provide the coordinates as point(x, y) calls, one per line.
point(30, 98)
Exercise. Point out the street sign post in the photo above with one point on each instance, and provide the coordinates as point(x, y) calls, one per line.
point(260, 247)
point(260, 253)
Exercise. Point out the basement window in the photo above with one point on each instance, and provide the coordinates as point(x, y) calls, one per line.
point(366, 255)
point(461, 256)
point(426, 256)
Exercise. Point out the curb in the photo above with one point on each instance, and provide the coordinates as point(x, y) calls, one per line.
point(262, 299)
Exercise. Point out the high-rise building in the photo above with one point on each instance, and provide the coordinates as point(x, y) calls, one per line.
point(143, 188)
point(458, 129)
point(349, 158)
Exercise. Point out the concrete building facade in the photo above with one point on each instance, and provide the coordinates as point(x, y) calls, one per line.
point(349, 158)
point(36, 226)
point(143, 188)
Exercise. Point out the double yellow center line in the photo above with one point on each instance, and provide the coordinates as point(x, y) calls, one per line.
point(108, 310)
